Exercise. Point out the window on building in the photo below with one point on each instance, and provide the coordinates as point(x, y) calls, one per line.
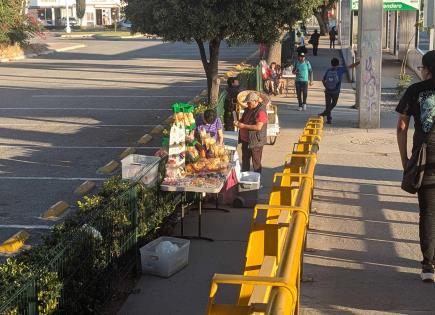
point(90, 16)
point(423, 35)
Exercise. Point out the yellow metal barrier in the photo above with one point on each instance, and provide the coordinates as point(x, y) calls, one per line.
point(271, 280)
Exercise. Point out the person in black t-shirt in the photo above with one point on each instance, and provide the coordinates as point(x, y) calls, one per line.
point(419, 102)
point(314, 40)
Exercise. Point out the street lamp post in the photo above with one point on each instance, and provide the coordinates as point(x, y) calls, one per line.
point(68, 28)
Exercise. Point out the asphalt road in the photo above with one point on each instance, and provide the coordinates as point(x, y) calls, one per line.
point(63, 116)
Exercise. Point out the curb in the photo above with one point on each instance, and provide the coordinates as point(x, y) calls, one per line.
point(47, 52)
point(157, 130)
point(108, 168)
point(99, 36)
point(84, 188)
point(127, 152)
point(14, 243)
point(77, 36)
point(145, 139)
point(55, 210)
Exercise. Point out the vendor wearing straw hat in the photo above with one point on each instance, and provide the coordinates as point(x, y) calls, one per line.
point(253, 132)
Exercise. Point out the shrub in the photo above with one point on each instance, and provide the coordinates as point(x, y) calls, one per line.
point(78, 263)
point(15, 26)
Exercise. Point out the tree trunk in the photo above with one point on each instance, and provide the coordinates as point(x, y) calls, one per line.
point(274, 50)
point(211, 68)
point(323, 24)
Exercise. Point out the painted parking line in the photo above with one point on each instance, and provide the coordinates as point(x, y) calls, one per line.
point(51, 178)
point(87, 125)
point(108, 96)
point(86, 108)
point(27, 227)
point(30, 146)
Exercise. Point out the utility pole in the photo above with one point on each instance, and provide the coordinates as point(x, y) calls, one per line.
point(370, 13)
point(68, 27)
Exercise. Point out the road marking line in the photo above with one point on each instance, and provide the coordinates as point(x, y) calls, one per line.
point(84, 188)
point(108, 168)
point(71, 147)
point(14, 243)
point(27, 227)
point(48, 124)
point(55, 211)
point(49, 178)
point(86, 108)
point(108, 96)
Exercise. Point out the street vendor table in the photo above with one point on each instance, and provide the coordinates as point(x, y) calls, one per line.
point(200, 193)
point(290, 84)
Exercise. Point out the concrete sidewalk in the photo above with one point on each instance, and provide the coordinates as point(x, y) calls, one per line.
point(364, 233)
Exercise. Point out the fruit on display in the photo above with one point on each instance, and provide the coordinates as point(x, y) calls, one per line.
point(186, 119)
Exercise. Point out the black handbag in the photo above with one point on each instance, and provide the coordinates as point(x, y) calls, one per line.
point(414, 170)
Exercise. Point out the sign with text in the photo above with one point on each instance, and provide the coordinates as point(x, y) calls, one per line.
point(62, 3)
point(395, 5)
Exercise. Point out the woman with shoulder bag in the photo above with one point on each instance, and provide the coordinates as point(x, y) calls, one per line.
point(419, 102)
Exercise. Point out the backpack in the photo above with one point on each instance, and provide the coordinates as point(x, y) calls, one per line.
point(331, 80)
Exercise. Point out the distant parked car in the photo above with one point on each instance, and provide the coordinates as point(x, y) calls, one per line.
point(46, 23)
point(72, 21)
point(125, 24)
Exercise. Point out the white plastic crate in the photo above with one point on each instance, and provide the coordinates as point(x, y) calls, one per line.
point(140, 167)
point(161, 265)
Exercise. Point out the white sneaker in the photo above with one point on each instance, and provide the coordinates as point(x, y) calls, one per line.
point(427, 276)
point(300, 108)
point(304, 106)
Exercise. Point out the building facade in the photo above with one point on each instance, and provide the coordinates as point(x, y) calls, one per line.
point(99, 13)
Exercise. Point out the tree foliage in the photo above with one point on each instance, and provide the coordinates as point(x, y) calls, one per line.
point(16, 27)
point(80, 8)
point(321, 14)
point(209, 22)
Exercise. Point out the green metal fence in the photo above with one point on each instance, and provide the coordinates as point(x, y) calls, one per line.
point(91, 257)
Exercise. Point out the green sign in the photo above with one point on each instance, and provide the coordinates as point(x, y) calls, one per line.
point(395, 5)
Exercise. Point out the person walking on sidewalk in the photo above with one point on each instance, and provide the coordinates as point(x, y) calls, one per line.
point(253, 132)
point(314, 40)
point(332, 37)
point(304, 72)
point(332, 83)
point(419, 102)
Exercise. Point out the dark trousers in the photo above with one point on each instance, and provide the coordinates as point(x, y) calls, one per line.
point(426, 202)
point(330, 101)
point(332, 43)
point(315, 48)
point(255, 154)
point(302, 92)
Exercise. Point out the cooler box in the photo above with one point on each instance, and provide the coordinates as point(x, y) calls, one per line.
point(247, 194)
point(164, 265)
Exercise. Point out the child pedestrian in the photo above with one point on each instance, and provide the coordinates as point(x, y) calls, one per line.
point(332, 83)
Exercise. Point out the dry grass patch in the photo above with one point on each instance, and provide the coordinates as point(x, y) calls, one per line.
point(10, 51)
